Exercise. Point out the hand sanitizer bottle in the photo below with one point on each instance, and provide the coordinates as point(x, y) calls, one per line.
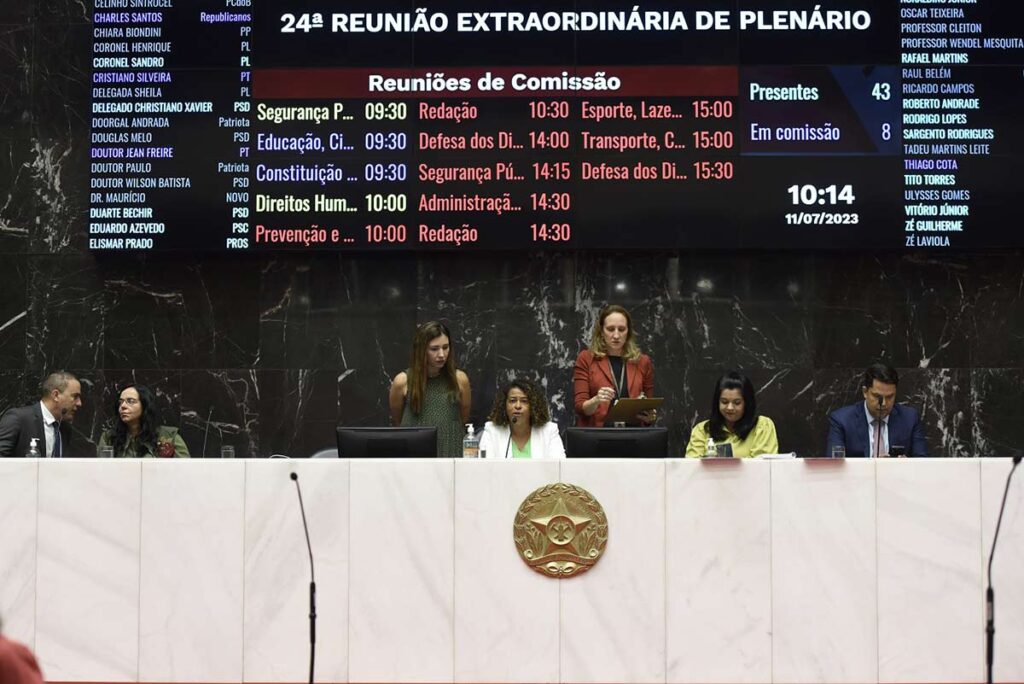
point(470, 443)
point(712, 450)
point(33, 448)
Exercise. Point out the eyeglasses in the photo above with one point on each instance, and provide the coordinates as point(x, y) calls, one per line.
point(129, 401)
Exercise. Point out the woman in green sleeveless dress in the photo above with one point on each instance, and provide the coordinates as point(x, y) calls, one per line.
point(432, 392)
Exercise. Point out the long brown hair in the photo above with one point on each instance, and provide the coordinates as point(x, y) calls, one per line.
point(630, 350)
point(418, 366)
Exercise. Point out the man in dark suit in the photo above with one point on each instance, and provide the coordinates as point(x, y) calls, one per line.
point(856, 426)
point(61, 396)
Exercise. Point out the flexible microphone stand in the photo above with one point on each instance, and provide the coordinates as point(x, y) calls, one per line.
point(312, 583)
point(990, 597)
point(878, 429)
point(509, 442)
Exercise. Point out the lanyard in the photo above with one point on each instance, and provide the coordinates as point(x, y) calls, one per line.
point(621, 380)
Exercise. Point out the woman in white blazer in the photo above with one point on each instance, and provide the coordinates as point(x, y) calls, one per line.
point(520, 425)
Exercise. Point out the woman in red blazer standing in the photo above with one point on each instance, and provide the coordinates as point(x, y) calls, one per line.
point(612, 367)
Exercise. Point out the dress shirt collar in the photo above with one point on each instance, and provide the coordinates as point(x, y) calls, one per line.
point(48, 419)
point(870, 417)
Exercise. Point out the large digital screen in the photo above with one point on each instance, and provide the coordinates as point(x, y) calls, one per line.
point(270, 125)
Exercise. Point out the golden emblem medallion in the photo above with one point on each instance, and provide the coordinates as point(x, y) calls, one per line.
point(560, 530)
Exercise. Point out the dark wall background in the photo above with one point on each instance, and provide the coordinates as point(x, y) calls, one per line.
point(269, 353)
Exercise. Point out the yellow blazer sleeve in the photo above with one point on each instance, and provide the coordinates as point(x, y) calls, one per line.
point(763, 439)
point(698, 443)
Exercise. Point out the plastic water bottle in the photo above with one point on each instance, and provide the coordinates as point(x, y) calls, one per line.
point(33, 448)
point(711, 450)
point(470, 443)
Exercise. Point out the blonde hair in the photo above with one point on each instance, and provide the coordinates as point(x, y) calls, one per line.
point(630, 351)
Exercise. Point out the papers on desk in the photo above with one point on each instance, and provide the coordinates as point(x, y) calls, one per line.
point(777, 457)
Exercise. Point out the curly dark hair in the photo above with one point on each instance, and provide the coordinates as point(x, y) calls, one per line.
point(539, 414)
point(149, 421)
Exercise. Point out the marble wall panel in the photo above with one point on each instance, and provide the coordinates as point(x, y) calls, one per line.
point(221, 408)
point(59, 12)
point(18, 208)
point(16, 389)
point(298, 312)
point(613, 616)
point(65, 319)
point(718, 575)
point(147, 323)
point(824, 582)
point(299, 410)
point(277, 572)
point(942, 396)
point(401, 625)
point(329, 311)
point(506, 616)
point(16, 52)
point(168, 312)
point(997, 284)
point(13, 312)
point(786, 395)
point(61, 83)
point(18, 566)
point(771, 309)
point(930, 622)
point(996, 430)
point(19, 13)
point(87, 609)
point(911, 311)
point(60, 133)
point(191, 590)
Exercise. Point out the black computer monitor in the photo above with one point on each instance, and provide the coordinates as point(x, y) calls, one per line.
point(387, 442)
point(629, 442)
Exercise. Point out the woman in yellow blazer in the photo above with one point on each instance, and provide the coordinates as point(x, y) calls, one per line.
point(734, 421)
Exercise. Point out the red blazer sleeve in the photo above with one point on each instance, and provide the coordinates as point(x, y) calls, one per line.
point(17, 664)
point(581, 385)
point(647, 371)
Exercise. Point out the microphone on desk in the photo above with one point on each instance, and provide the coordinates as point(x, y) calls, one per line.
point(990, 596)
point(878, 430)
point(206, 432)
point(509, 442)
point(312, 583)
